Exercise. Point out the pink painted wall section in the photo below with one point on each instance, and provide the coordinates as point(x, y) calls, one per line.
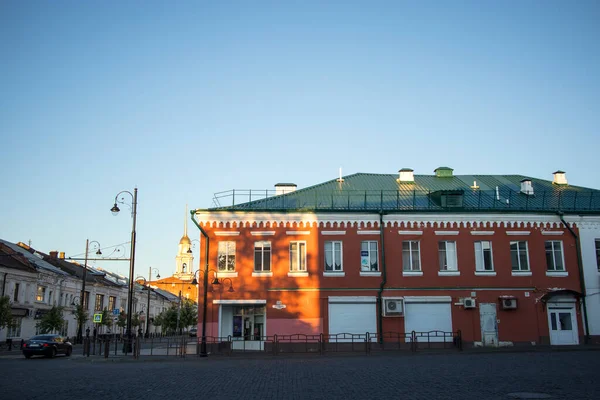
point(212, 329)
point(307, 326)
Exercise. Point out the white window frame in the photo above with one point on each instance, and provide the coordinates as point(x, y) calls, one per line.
point(447, 267)
point(263, 244)
point(332, 252)
point(226, 253)
point(369, 242)
point(411, 261)
point(562, 256)
point(480, 256)
point(16, 288)
point(519, 244)
point(14, 330)
point(300, 255)
point(43, 294)
point(101, 297)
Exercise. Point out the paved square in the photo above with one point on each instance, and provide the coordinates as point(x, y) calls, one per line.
point(464, 376)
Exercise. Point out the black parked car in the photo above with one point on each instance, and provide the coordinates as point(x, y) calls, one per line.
point(47, 345)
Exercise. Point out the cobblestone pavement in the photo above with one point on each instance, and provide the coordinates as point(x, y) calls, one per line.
point(560, 375)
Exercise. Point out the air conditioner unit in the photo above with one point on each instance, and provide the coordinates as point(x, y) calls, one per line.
point(469, 302)
point(509, 304)
point(393, 307)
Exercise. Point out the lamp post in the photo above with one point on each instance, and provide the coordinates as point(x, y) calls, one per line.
point(203, 352)
point(147, 284)
point(115, 210)
point(82, 299)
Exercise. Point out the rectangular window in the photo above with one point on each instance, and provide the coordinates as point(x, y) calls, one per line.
point(297, 256)
point(112, 300)
point(16, 293)
point(14, 330)
point(333, 256)
point(483, 256)
point(41, 294)
point(447, 256)
point(518, 256)
point(598, 253)
point(411, 256)
point(99, 302)
point(262, 256)
point(226, 258)
point(86, 300)
point(369, 259)
point(554, 257)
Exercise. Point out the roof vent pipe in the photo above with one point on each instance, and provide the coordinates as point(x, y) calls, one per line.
point(526, 187)
point(283, 188)
point(560, 178)
point(406, 176)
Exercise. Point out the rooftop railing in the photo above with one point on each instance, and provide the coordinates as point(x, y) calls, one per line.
point(502, 199)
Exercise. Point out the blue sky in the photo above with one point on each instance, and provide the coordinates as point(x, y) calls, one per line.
point(185, 99)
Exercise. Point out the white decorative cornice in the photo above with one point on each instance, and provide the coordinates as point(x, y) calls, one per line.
point(366, 221)
point(482, 233)
point(552, 233)
point(297, 232)
point(368, 232)
point(262, 233)
point(333, 232)
point(410, 232)
point(518, 233)
point(446, 233)
point(227, 233)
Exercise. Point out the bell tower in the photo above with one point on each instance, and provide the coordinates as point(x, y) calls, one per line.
point(185, 259)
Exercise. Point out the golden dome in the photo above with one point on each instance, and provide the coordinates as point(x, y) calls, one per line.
point(185, 240)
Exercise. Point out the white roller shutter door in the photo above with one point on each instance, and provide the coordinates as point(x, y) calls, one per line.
point(428, 314)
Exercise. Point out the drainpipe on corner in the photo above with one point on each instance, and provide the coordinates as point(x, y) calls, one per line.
point(581, 277)
point(383, 281)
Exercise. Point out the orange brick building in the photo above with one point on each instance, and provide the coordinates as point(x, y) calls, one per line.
point(492, 256)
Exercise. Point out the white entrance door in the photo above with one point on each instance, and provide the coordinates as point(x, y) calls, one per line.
point(563, 325)
point(489, 324)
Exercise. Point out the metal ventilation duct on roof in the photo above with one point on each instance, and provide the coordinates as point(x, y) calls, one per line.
point(560, 178)
point(406, 175)
point(526, 187)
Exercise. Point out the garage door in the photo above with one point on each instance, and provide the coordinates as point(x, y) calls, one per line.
point(426, 316)
point(352, 317)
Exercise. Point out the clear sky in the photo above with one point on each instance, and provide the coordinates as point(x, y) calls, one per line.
point(185, 99)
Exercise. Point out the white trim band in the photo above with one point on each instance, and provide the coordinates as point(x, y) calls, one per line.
point(297, 232)
point(262, 233)
point(410, 232)
point(552, 233)
point(482, 233)
point(226, 233)
point(518, 233)
point(367, 232)
point(333, 232)
point(446, 233)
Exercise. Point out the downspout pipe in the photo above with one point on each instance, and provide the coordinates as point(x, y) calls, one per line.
point(203, 352)
point(383, 281)
point(581, 277)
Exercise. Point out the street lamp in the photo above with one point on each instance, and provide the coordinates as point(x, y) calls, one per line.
point(82, 298)
point(203, 352)
point(115, 210)
point(147, 284)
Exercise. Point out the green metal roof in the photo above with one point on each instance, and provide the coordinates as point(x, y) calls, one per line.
point(383, 192)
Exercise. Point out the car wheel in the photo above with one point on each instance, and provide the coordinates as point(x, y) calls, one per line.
point(68, 352)
point(27, 355)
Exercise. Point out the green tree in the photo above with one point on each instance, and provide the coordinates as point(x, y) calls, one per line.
point(189, 314)
point(81, 315)
point(5, 312)
point(167, 320)
point(135, 320)
point(53, 321)
point(122, 320)
point(107, 318)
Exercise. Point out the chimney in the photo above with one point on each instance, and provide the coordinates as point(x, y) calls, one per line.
point(406, 176)
point(526, 187)
point(61, 255)
point(443, 172)
point(283, 188)
point(53, 254)
point(560, 178)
